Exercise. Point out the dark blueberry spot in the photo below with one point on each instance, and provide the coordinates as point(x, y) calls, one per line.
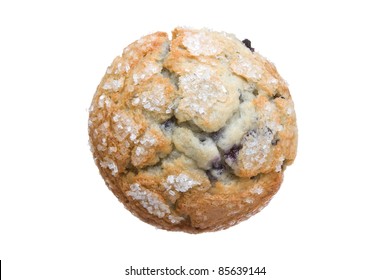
point(233, 152)
point(217, 164)
point(248, 44)
point(275, 141)
point(253, 177)
point(217, 168)
point(211, 177)
point(215, 135)
point(168, 124)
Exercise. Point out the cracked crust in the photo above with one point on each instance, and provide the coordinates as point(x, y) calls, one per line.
point(192, 134)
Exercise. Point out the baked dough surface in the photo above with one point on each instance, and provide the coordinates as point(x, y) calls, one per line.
point(193, 133)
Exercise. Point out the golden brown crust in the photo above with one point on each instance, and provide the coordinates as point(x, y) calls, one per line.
point(192, 134)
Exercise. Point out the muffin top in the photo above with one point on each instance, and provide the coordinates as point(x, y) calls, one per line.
point(192, 133)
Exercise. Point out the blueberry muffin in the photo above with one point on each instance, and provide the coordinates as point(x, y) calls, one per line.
point(192, 134)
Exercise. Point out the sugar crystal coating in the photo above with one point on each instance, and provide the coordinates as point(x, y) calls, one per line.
point(149, 200)
point(201, 43)
point(180, 183)
point(247, 68)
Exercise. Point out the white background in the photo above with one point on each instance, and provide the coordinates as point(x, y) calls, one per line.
point(330, 219)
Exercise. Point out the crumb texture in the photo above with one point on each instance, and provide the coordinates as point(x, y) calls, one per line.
point(194, 133)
